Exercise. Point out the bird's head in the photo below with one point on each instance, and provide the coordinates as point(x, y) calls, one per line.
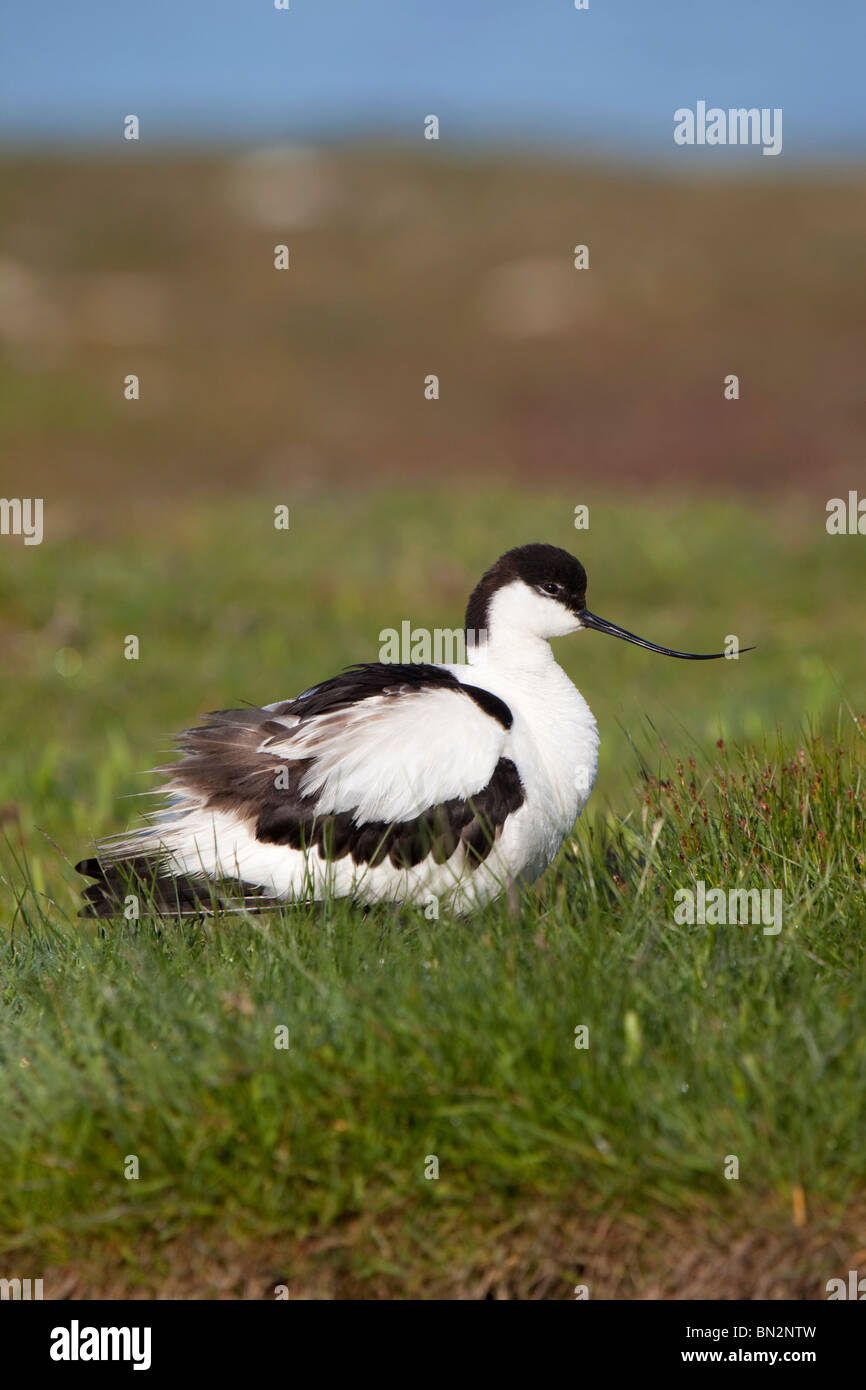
point(539, 591)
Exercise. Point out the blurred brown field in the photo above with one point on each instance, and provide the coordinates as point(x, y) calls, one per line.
point(404, 266)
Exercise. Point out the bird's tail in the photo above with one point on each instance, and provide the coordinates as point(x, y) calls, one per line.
point(135, 886)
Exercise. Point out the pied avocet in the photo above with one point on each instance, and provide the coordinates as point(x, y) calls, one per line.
point(391, 781)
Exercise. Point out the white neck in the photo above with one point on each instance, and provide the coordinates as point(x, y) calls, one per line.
point(513, 651)
point(520, 623)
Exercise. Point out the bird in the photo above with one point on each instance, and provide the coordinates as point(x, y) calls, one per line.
point(400, 782)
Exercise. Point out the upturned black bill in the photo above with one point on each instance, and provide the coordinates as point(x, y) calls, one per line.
point(591, 620)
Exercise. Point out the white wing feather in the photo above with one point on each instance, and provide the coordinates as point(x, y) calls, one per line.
point(392, 758)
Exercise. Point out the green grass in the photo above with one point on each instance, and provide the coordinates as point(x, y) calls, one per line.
point(408, 1037)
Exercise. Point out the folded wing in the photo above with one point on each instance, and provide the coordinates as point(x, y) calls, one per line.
point(384, 760)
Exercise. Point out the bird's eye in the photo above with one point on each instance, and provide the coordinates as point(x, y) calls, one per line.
point(551, 588)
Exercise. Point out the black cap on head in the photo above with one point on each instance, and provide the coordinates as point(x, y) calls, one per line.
point(544, 567)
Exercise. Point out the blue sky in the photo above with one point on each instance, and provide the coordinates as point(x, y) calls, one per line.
point(510, 71)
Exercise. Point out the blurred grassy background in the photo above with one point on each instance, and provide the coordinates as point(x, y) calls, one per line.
point(402, 266)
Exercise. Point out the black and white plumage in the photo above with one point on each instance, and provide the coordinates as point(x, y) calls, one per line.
point(388, 782)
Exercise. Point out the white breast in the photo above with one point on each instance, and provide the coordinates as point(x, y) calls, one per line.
point(554, 745)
